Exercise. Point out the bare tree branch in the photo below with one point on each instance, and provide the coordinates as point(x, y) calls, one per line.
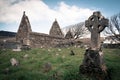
point(78, 30)
point(114, 27)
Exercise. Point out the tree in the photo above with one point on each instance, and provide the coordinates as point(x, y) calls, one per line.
point(114, 27)
point(78, 30)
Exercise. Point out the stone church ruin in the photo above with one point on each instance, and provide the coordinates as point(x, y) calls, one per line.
point(25, 36)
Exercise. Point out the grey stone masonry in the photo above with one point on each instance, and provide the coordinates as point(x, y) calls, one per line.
point(69, 35)
point(24, 30)
point(55, 30)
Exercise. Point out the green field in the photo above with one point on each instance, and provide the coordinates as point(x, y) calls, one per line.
point(64, 66)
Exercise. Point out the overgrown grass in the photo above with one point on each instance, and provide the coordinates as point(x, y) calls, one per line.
point(64, 66)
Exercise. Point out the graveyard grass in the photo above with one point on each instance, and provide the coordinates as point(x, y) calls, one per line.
point(64, 66)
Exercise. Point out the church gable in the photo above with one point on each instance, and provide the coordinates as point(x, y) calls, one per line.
point(69, 35)
point(55, 30)
point(24, 28)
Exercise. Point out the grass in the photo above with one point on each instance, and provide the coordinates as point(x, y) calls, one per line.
point(64, 66)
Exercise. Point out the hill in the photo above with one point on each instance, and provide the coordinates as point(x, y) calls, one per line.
point(7, 34)
point(62, 65)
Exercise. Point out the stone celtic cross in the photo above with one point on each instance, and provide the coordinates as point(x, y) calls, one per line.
point(96, 24)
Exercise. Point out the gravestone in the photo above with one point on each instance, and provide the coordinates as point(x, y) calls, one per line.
point(47, 67)
point(93, 63)
point(96, 24)
point(14, 62)
point(25, 56)
point(72, 53)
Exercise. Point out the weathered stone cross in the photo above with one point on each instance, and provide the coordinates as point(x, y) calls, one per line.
point(96, 24)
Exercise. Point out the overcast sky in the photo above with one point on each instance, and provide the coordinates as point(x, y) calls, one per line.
point(42, 13)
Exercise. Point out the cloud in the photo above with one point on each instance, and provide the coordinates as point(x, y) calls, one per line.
point(41, 16)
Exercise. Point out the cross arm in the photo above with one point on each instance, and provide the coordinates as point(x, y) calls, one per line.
point(103, 24)
point(88, 24)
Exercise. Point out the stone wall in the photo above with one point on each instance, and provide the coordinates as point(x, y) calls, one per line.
point(39, 40)
point(112, 45)
point(9, 43)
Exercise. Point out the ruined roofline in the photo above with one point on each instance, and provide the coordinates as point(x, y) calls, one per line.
point(46, 35)
point(55, 29)
point(24, 28)
point(28, 22)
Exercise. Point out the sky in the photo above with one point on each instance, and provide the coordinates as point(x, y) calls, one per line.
point(42, 13)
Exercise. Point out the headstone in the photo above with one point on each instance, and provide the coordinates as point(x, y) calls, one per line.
point(59, 49)
point(57, 54)
point(72, 53)
point(47, 67)
point(26, 56)
point(49, 50)
point(93, 63)
point(14, 62)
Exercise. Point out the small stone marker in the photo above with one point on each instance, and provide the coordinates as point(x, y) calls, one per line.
point(14, 62)
point(25, 56)
point(59, 49)
point(47, 67)
point(57, 54)
point(72, 53)
point(49, 50)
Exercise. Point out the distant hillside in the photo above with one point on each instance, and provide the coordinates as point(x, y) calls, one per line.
point(7, 34)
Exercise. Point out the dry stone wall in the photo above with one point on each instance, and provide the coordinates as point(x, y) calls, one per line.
point(44, 40)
